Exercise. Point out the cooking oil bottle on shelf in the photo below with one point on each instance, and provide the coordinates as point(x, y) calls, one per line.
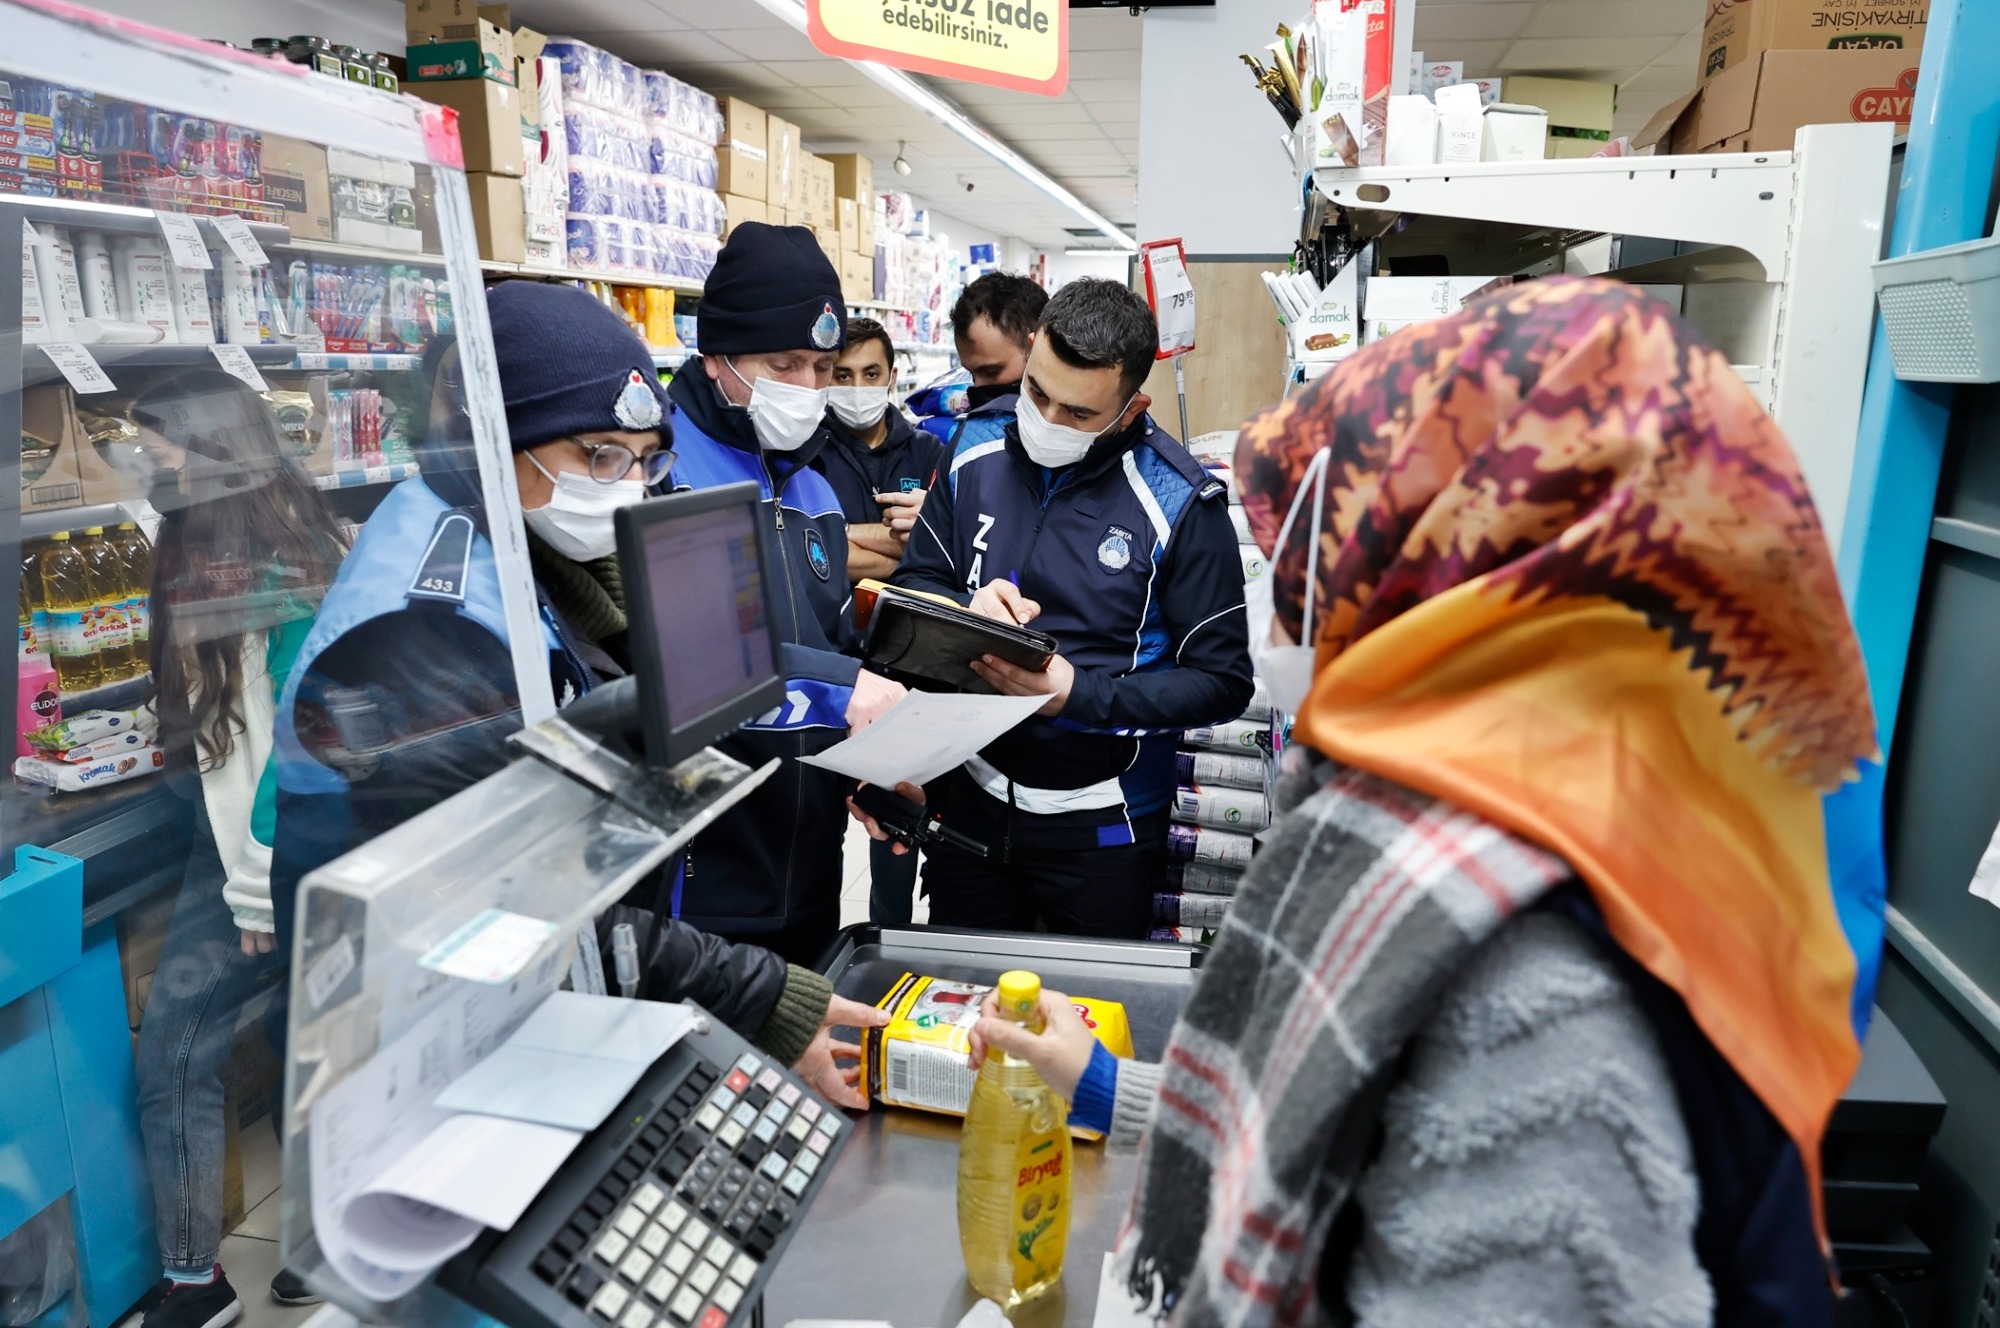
point(106, 573)
point(137, 557)
point(71, 610)
point(1014, 1168)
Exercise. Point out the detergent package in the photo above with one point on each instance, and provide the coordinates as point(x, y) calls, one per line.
point(918, 1058)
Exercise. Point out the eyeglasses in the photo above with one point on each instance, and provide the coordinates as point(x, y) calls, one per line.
point(612, 462)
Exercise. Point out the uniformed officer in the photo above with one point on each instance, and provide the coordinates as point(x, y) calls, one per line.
point(879, 465)
point(1088, 521)
point(992, 322)
point(404, 691)
point(752, 406)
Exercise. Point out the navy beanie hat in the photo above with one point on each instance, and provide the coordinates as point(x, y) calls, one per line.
point(772, 289)
point(569, 365)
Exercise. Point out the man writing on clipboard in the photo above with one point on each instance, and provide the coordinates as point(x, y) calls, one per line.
point(1089, 522)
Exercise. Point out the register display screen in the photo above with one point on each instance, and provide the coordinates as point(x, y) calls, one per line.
point(713, 647)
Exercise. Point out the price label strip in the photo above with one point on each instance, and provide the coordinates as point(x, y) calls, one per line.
point(1171, 294)
point(79, 366)
point(235, 233)
point(184, 242)
point(236, 362)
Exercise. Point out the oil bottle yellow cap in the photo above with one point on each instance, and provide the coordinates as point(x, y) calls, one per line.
point(60, 537)
point(127, 525)
point(93, 530)
point(1020, 992)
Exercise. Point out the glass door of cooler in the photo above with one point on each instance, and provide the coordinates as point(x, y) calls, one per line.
point(240, 305)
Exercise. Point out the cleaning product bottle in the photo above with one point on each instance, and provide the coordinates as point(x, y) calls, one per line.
point(137, 556)
point(38, 702)
point(1014, 1168)
point(106, 574)
point(67, 599)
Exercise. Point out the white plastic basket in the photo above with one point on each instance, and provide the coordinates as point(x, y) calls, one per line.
point(1942, 312)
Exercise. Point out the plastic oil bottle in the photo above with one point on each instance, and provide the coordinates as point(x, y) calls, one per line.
point(1014, 1168)
point(137, 557)
point(71, 609)
point(106, 574)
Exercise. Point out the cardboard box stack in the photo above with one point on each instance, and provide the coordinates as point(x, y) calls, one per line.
point(744, 163)
point(462, 55)
point(640, 156)
point(1769, 67)
point(856, 204)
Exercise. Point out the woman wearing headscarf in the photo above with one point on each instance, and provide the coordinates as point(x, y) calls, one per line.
point(1535, 1005)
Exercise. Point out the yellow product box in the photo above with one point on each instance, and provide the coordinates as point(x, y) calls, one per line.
point(918, 1058)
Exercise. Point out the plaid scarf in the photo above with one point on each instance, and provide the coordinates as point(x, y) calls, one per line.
point(1367, 902)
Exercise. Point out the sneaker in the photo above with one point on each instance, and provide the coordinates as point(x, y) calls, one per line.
point(288, 1288)
point(172, 1304)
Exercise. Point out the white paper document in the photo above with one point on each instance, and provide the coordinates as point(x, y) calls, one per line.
point(573, 1061)
point(471, 1130)
point(927, 734)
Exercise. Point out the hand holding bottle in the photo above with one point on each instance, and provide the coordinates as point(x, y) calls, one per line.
point(1059, 1053)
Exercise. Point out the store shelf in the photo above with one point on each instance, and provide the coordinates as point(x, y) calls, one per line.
point(359, 479)
point(41, 525)
point(885, 308)
point(356, 253)
point(687, 285)
point(322, 362)
point(671, 359)
point(1941, 309)
point(1810, 219)
point(36, 368)
point(922, 348)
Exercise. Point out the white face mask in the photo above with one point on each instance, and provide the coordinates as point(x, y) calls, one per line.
point(577, 519)
point(1055, 445)
point(1288, 670)
point(785, 415)
point(859, 407)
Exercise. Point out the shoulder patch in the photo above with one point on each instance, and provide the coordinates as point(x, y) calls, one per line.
point(447, 564)
point(1211, 489)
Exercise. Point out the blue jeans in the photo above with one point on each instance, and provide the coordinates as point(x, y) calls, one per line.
point(892, 884)
point(185, 1037)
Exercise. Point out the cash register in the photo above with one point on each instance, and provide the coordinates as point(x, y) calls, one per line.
point(675, 1209)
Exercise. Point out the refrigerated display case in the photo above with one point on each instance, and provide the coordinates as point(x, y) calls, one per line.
point(211, 371)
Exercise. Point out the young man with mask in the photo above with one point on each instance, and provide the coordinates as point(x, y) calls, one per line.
point(752, 407)
point(1089, 522)
point(879, 466)
point(992, 322)
point(403, 692)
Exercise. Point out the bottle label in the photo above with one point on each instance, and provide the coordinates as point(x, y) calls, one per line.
point(47, 707)
point(139, 613)
point(69, 635)
point(30, 639)
point(114, 630)
point(1041, 1203)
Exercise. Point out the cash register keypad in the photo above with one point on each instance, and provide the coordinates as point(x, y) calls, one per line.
point(679, 1227)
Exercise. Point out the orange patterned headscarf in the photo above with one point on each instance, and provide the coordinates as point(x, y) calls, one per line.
point(1570, 579)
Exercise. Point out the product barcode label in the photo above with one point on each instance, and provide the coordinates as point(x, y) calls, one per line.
point(925, 1076)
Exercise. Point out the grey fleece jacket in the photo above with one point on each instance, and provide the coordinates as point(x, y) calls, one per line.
point(1534, 1169)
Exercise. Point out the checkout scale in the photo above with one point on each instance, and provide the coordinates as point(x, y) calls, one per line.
point(422, 951)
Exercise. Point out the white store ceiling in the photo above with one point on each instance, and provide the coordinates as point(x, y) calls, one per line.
point(1088, 138)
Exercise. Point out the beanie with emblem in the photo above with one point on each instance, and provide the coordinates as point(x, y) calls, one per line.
point(773, 289)
point(569, 365)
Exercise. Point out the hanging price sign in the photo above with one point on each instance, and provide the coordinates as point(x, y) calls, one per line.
point(1171, 294)
point(1018, 44)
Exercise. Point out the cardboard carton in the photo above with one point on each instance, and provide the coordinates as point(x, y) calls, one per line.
point(295, 179)
point(1580, 113)
point(829, 244)
point(870, 209)
point(744, 156)
point(820, 209)
point(1394, 303)
point(528, 46)
point(499, 212)
point(1760, 106)
point(741, 209)
point(50, 477)
point(857, 277)
point(1738, 31)
point(457, 39)
point(849, 216)
point(781, 145)
point(489, 121)
point(853, 176)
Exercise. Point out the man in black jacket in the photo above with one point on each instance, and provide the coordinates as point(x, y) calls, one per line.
point(879, 465)
point(1088, 521)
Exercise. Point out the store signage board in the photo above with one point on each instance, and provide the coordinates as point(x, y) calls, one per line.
point(1171, 294)
point(1017, 44)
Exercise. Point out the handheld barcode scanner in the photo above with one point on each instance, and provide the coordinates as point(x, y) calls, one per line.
point(912, 822)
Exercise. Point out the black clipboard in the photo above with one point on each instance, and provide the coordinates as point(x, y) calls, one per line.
point(931, 646)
